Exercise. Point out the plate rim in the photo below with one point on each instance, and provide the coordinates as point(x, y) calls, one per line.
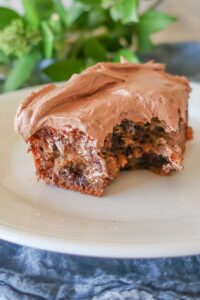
point(128, 251)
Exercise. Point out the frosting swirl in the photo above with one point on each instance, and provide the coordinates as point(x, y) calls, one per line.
point(102, 96)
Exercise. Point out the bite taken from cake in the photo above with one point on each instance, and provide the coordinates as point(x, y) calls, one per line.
point(112, 116)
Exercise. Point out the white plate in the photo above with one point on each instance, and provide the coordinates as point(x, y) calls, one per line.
point(141, 214)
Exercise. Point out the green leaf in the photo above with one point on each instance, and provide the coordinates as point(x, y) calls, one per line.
point(74, 12)
point(61, 11)
point(124, 11)
point(44, 8)
point(55, 25)
point(130, 11)
point(31, 14)
point(116, 11)
point(90, 2)
point(21, 71)
point(47, 40)
point(96, 18)
point(144, 41)
point(89, 62)
point(95, 50)
point(127, 54)
point(63, 70)
point(153, 21)
point(3, 57)
point(7, 16)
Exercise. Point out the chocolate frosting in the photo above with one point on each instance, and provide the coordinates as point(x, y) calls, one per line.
point(102, 96)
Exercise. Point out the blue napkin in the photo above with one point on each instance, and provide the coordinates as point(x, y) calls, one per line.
point(30, 274)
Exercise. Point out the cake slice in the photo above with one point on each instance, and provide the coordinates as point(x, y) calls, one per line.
point(112, 116)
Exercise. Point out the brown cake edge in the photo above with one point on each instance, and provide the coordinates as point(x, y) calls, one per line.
point(87, 188)
point(45, 165)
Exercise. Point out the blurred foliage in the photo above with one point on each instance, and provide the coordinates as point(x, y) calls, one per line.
point(75, 37)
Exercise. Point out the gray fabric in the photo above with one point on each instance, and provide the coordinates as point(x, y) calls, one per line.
point(27, 273)
point(180, 58)
point(30, 274)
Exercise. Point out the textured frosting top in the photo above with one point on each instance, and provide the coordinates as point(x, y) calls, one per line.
point(102, 96)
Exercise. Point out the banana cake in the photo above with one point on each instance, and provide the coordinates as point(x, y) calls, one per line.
point(112, 116)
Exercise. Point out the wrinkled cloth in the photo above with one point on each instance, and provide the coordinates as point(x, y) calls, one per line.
point(30, 274)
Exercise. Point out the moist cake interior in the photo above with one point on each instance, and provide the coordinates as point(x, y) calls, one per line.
point(71, 160)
